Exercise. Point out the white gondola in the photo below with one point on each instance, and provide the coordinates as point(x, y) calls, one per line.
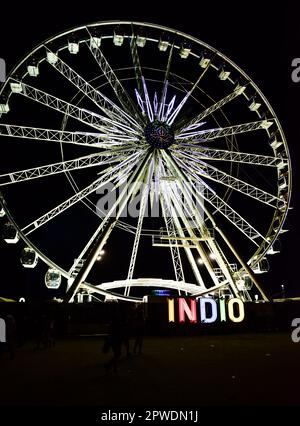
point(205, 59)
point(2, 212)
point(95, 40)
point(282, 160)
point(185, 50)
point(240, 86)
point(16, 87)
point(253, 105)
point(275, 248)
point(281, 203)
point(118, 37)
point(244, 283)
point(10, 234)
point(262, 266)
point(224, 74)
point(84, 297)
point(275, 141)
point(73, 45)
point(141, 39)
point(52, 278)
point(33, 67)
point(52, 58)
point(163, 43)
point(4, 107)
point(79, 298)
point(29, 258)
point(282, 182)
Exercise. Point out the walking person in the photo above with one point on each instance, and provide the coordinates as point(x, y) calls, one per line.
point(139, 328)
point(114, 339)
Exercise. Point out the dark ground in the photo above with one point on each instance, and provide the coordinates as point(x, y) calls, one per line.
point(228, 370)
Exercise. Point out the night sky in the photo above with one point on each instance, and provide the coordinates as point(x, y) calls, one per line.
point(261, 38)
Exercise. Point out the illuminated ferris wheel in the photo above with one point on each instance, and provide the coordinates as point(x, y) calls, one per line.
point(145, 113)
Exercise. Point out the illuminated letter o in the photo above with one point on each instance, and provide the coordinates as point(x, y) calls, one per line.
point(231, 315)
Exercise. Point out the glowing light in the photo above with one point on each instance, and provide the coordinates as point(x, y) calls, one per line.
point(209, 310)
point(212, 256)
point(203, 310)
point(102, 252)
point(222, 310)
point(185, 309)
point(200, 261)
point(171, 310)
point(231, 312)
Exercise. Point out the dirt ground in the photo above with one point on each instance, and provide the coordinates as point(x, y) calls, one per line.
point(228, 370)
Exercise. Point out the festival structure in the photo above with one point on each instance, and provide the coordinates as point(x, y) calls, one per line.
point(189, 151)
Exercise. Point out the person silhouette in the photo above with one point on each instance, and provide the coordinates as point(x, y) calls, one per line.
point(139, 328)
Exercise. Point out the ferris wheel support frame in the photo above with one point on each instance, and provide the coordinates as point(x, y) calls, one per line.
point(237, 256)
point(106, 227)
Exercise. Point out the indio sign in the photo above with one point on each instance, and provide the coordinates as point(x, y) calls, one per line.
point(205, 310)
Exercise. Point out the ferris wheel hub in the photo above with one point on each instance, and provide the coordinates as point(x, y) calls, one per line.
point(159, 134)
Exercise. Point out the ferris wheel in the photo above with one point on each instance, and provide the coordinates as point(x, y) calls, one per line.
point(161, 121)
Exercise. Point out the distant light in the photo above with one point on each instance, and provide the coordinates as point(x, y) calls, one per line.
point(200, 261)
point(212, 256)
point(99, 257)
point(256, 298)
point(102, 252)
point(22, 299)
point(161, 292)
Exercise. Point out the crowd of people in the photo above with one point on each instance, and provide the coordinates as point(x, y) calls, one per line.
point(125, 332)
point(16, 333)
point(126, 322)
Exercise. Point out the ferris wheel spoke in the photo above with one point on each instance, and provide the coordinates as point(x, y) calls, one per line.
point(217, 105)
point(144, 197)
point(176, 229)
point(199, 186)
point(136, 64)
point(180, 207)
point(98, 140)
point(211, 134)
point(83, 115)
point(177, 110)
point(106, 105)
point(163, 97)
point(168, 216)
point(108, 176)
point(128, 190)
point(212, 173)
point(115, 83)
point(202, 229)
point(204, 153)
point(87, 161)
point(102, 233)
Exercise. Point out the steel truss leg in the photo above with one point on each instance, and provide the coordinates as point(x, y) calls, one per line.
point(170, 161)
point(137, 238)
point(175, 252)
point(106, 227)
